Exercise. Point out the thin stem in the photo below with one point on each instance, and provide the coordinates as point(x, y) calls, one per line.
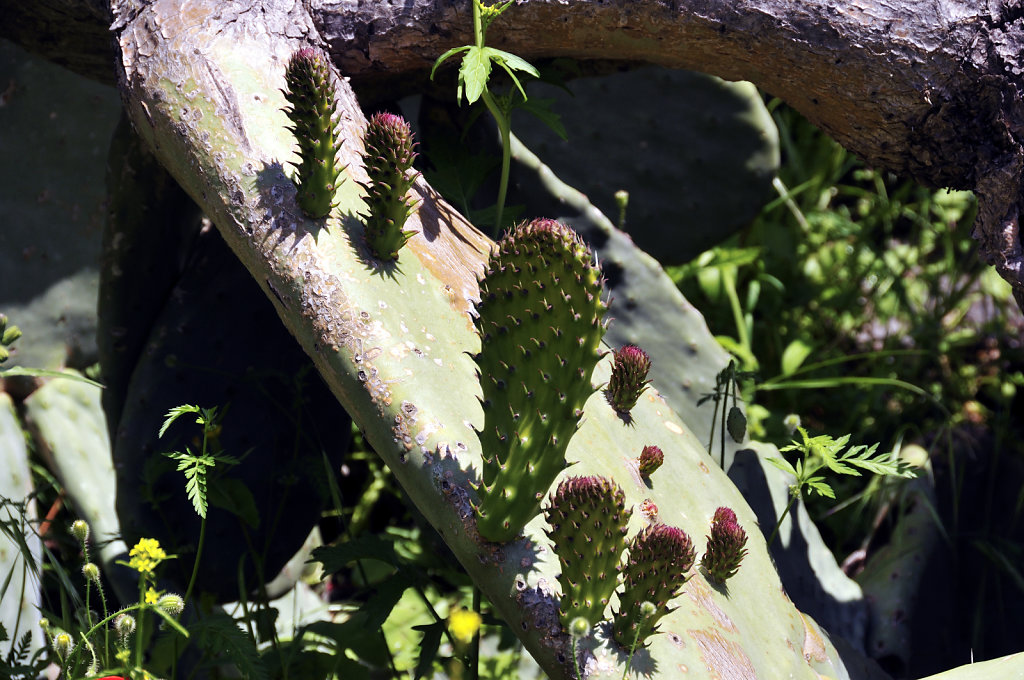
point(775, 532)
point(199, 555)
point(474, 648)
point(140, 624)
point(505, 129)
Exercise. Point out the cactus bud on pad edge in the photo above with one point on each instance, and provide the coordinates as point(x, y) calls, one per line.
point(310, 93)
point(540, 321)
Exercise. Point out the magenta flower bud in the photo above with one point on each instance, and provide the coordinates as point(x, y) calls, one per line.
point(650, 460)
point(725, 548)
point(629, 378)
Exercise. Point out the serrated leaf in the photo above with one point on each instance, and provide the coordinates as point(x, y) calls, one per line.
point(219, 634)
point(736, 423)
point(819, 486)
point(782, 464)
point(512, 61)
point(174, 414)
point(474, 72)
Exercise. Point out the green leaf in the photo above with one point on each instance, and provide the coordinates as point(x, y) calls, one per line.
point(512, 61)
point(473, 75)
point(794, 356)
point(736, 423)
point(428, 648)
point(541, 108)
point(234, 496)
point(782, 464)
point(174, 414)
point(819, 486)
point(46, 373)
point(336, 557)
point(452, 51)
point(220, 637)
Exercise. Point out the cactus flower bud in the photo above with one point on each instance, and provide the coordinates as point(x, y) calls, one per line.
point(629, 378)
point(588, 519)
point(725, 548)
point(650, 460)
point(659, 558)
point(80, 530)
point(390, 152)
point(310, 92)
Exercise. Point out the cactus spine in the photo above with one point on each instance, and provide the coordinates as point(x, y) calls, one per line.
point(540, 321)
point(588, 519)
point(659, 557)
point(389, 154)
point(629, 378)
point(310, 92)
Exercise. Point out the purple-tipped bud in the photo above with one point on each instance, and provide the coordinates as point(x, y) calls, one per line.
point(629, 378)
point(390, 152)
point(650, 460)
point(659, 558)
point(725, 548)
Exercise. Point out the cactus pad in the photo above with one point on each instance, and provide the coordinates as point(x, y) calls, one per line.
point(588, 519)
point(310, 93)
point(540, 321)
point(659, 557)
point(388, 158)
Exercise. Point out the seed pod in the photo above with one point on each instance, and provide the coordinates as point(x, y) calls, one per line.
point(310, 92)
point(540, 320)
point(588, 519)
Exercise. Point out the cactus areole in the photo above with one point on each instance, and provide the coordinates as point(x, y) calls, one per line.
point(588, 521)
point(389, 154)
point(540, 320)
point(310, 93)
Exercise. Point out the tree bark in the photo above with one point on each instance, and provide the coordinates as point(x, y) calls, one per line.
point(929, 89)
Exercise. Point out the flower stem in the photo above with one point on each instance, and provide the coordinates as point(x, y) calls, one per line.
point(505, 129)
point(775, 531)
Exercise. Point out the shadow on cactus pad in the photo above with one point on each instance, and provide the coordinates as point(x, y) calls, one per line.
point(218, 342)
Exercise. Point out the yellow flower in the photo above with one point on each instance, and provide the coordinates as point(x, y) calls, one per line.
point(464, 624)
point(146, 554)
point(152, 596)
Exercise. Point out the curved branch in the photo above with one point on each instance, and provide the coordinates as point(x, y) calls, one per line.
point(924, 88)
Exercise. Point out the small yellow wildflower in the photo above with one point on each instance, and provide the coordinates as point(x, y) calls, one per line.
point(464, 624)
point(146, 554)
point(152, 596)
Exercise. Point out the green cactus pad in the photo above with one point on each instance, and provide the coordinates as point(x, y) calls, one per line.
point(311, 95)
point(588, 519)
point(389, 156)
point(540, 324)
point(659, 558)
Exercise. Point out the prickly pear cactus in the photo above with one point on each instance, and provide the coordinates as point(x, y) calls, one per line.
point(540, 320)
point(397, 352)
point(587, 517)
point(660, 559)
point(311, 99)
point(388, 157)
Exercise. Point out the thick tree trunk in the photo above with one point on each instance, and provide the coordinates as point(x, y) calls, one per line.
point(924, 88)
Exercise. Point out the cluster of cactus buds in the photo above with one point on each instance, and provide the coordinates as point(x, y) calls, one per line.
point(588, 519)
point(629, 378)
point(540, 321)
point(725, 548)
point(389, 154)
point(8, 334)
point(659, 558)
point(310, 92)
point(650, 460)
